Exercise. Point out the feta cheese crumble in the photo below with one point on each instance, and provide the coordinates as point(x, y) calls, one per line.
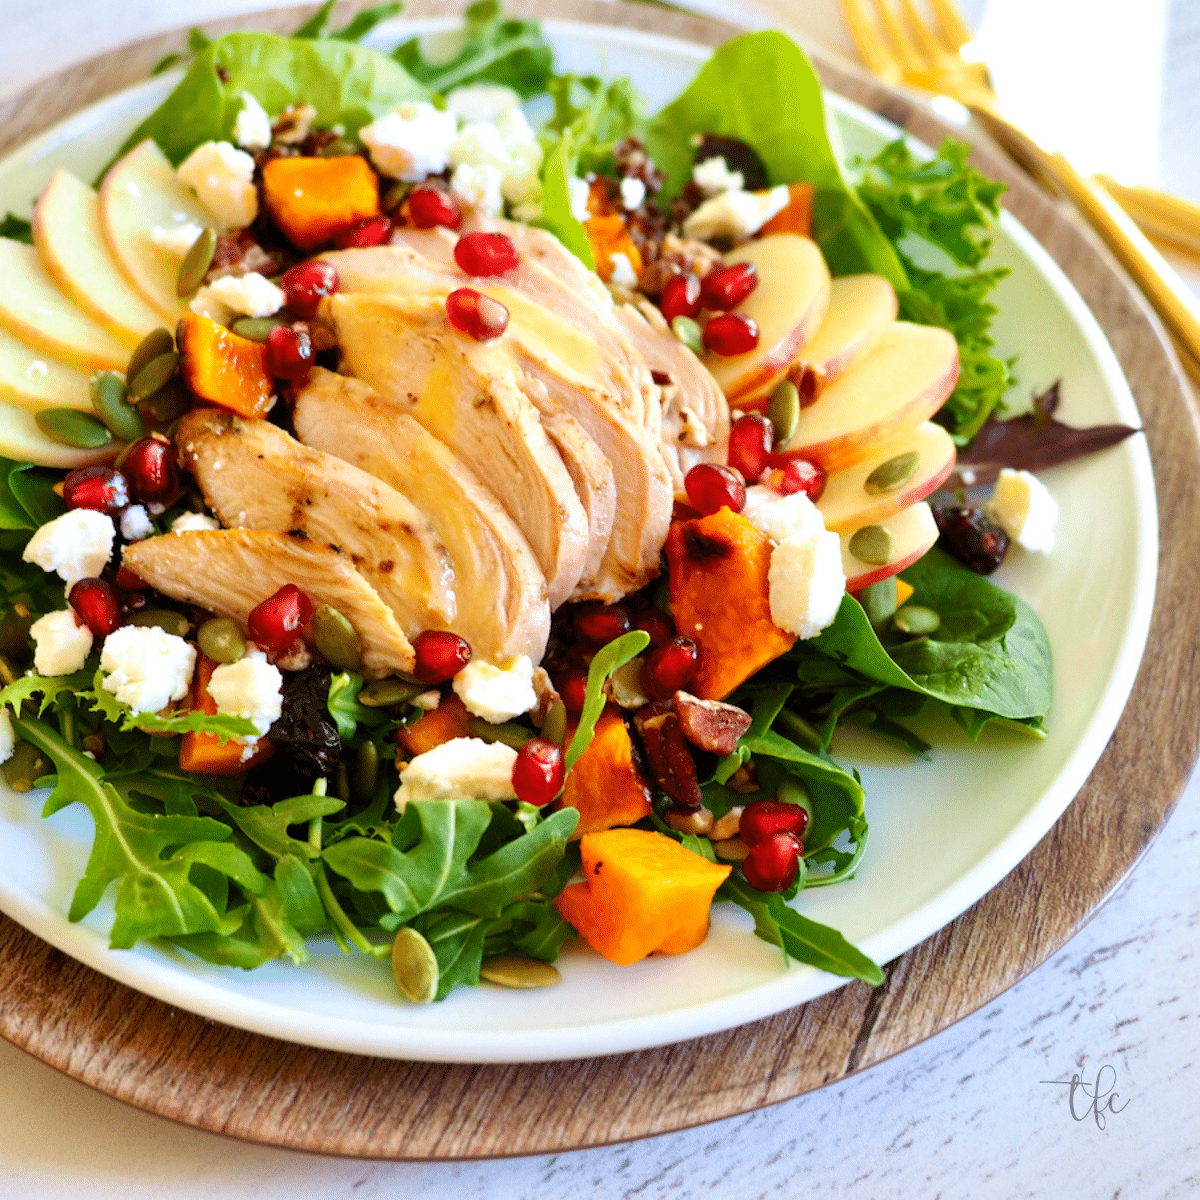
point(251, 688)
point(780, 516)
point(633, 192)
point(481, 102)
point(208, 304)
point(252, 294)
point(713, 176)
point(1023, 507)
point(623, 274)
point(577, 192)
point(252, 129)
point(222, 177)
point(37, 367)
point(77, 545)
point(460, 769)
point(146, 667)
point(8, 738)
point(61, 643)
point(735, 214)
point(478, 188)
point(177, 240)
point(494, 693)
point(411, 142)
point(190, 522)
point(135, 524)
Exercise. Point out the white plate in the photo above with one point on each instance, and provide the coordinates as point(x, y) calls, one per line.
point(942, 833)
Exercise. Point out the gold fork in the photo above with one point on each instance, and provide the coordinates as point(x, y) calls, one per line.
point(927, 56)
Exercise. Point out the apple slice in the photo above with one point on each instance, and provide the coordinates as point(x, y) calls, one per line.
point(33, 310)
point(788, 305)
point(33, 381)
point(903, 381)
point(847, 502)
point(67, 234)
point(913, 533)
point(22, 440)
point(139, 192)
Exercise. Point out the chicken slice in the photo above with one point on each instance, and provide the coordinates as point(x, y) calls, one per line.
point(501, 592)
point(468, 395)
point(230, 571)
point(255, 476)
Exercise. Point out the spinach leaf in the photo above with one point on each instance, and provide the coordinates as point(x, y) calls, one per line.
point(557, 169)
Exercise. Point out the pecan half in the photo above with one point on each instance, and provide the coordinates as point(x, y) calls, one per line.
point(667, 753)
point(712, 725)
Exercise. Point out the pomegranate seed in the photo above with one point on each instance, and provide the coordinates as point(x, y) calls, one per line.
point(275, 623)
point(600, 624)
point(440, 655)
point(539, 771)
point(102, 488)
point(476, 315)
point(711, 487)
point(800, 475)
point(669, 667)
point(581, 655)
point(727, 287)
point(306, 284)
point(680, 297)
point(765, 818)
point(374, 231)
point(772, 864)
point(289, 353)
point(152, 470)
point(657, 624)
point(95, 605)
point(750, 443)
point(572, 687)
point(731, 333)
point(430, 206)
point(485, 253)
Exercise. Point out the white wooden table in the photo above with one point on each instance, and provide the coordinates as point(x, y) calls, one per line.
point(969, 1113)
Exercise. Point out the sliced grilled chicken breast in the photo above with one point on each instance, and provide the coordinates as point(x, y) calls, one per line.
point(501, 592)
point(468, 396)
point(254, 476)
point(230, 571)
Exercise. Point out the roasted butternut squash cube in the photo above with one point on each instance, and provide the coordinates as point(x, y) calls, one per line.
point(442, 724)
point(796, 216)
point(204, 753)
point(223, 368)
point(311, 199)
point(605, 784)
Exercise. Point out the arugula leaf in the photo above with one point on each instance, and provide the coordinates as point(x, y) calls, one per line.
point(344, 707)
point(265, 934)
point(548, 934)
point(18, 229)
point(267, 826)
point(457, 940)
point(224, 725)
point(598, 114)
point(364, 21)
point(315, 26)
point(612, 658)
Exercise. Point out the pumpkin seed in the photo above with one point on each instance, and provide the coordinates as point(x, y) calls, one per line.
point(385, 692)
point(731, 850)
point(221, 639)
point(890, 475)
point(9, 671)
point(70, 427)
point(688, 332)
point(27, 765)
point(916, 619)
point(783, 411)
point(395, 195)
point(335, 638)
point(415, 967)
point(554, 727)
point(879, 600)
point(256, 329)
point(108, 399)
point(365, 778)
point(341, 783)
point(196, 263)
point(792, 791)
point(14, 634)
point(165, 619)
point(516, 971)
point(167, 405)
point(506, 732)
point(872, 544)
point(157, 342)
point(153, 377)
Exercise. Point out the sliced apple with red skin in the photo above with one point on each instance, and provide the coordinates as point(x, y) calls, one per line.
point(34, 381)
point(68, 237)
point(860, 308)
point(140, 191)
point(903, 381)
point(788, 306)
point(913, 533)
point(846, 502)
point(35, 312)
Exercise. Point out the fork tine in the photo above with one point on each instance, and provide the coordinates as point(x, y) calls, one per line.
point(932, 48)
point(954, 28)
point(907, 54)
point(870, 45)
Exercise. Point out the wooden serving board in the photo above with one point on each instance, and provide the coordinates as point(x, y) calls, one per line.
point(220, 1079)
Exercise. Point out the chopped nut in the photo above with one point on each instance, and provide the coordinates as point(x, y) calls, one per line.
point(690, 820)
point(712, 725)
point(733, 850)
point(727, 826)
point(298, 657)
point(692, 430)
point(547, 697)
point(292, 125)
point(744, 780)
point(667, 752)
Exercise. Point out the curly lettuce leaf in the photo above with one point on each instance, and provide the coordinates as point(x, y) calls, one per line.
point(192, 720)
point(47, 687)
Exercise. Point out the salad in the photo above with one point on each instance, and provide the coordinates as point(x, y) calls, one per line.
point(455, 536)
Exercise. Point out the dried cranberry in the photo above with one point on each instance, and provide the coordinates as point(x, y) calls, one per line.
point(289, 353)
point(765, 818)
point(276, 622)
point(538, 773)
point(440, 655)
point(731, 333)
point(478, 316)
point(967, 534)
point(104, 489)
point(152, 470)
point(485, 253)
point(657, 624)
point(96, 606)
point(374, 231)
point(600, 624)
point(669, 667)
point(727, 287)
point(772, 864)
point(429, 206)
point(572, 687)
point(800, 475)
point(680, 297)
point(711, 487)
point(307, 284)
point(750, 442)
